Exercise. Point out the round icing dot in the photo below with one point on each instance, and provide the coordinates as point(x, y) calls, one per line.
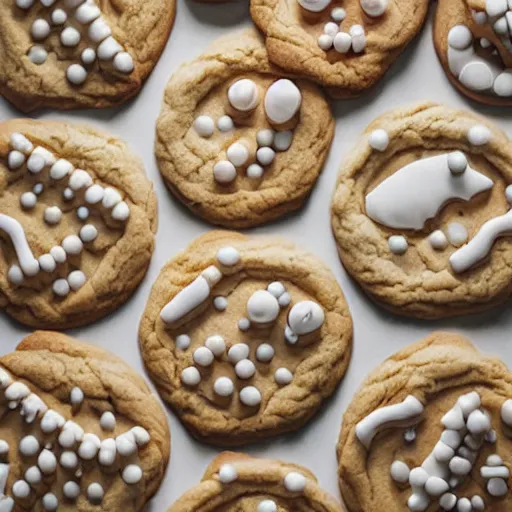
point(58, 254)
point(448, 501)
point(460, 37)
point(53, 215)
point(38, 188)
point(94, 194)
point(398, 244)
point(99, 30)
point(60, 169)
point(265, 155)
point(479, 135)
point(464, 505)
point(108, 452)
point(60, 287)
point(496, 7)
point(20, 489)
point(40, 29)
point(121, 211)
point(111, 197)
point(497, 487)
point(50, 501)
point(47, 263)
point(283, 140)
point(4, 447)
point(68, 460)
point(457, 162)
point(24, 4)
point(457, 234)
point(59, 17)
point(228, 256)
point(400, 472)
point(141, 436)
point(190, 376)
point(203, 356)
point(87, 12)
point(95, 493)
point(491, 436)
point(244, 95)
point(245, 369)
point(460, 466)
point(183, 342)
point(374, 8)
point(216, 345)
point(123, 62)
point(237, 154)
point(79, 179)
point(72, 244)
point(126, 444)
point(20, 143)
point(71, 490)
point(325, 42)
point(47, 462)
point(108, 49)
point(294, 482)
point(478, 423)
point(29, 446)
point(36, 163)
point(68, 194)
point(132, 474)
point(506, 413)
point(338, 14)
point(267, 506)
point(33, 475)
point(15, 275)
point(224, 386)
point(265, 353)
point(15, 159)
point(438, 240)
point(477, 503)
point(331, 29)
point(227, 473)
point(314, 5)
point(283, 376)
point(244, 324)
point(225, 124)
point(70, 37)
point(436, 486)
point(88, 56)
point(254, 171)
point(224, 172)
point(306, 317)
point(503, 84)
point(485, 43)
point(276, 289)
point(282, 101)
point(108, 421)
point(76, 74)
point(262, 307)
point(265, 138)
point(379, 140)
point(284, 300)
point(220, 303)
point(290, 336)
point(37, 55)
point(28, 200)
point(204, 126)
point(477, 76)
point(358, 38)
point(342, 42)
point(418, 477)
point(250, 396)
point(88, 233)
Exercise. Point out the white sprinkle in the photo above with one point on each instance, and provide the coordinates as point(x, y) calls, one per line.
point(227, 473)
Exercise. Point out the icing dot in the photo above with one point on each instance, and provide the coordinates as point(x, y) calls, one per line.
point(15, 159)
point(108, 421)
point(506, 413)
point(331, 29)
point(374, 8)
point(460, 37)
point(59, 17)
point(400, 472)
point(216, 345)
point(88, 233)
point(290, 336)
point(265, 156)
point(379, 140)
point(121, 211)
point(58, 254)
point(47, 462)
point(338, 14)
point(38, 188)
point(47, 263)
point(190, 376)
point(265, 353)
point(496, 7)
point(37, 55)
point(60, 287)
point(70, 37)
point(76, 397)
point(244, 324)
point(29, 446)
point(76, 74)
point(283, 140)
point(503, 84)
point(325, 42)
point(283, 376)
point(224, 386)
point(28, 200)
point(35, 163)
point(276, 289)
point(126, 444)
point(306, 317)
point(497, 487)
point(225, 124)
point(479, 135)
point(398, 244)
point(457, 162)
point(294, 482)
point(95, 493)
point(88, 56)
point(79, 179)
point(4, 447)
point(68, 460)
point(477, 503)
point(183, 342)
point(265, 138)
point(342, 42)
point(15, 275)
point(438, 240)
point(53, 215)
point(123, 62)
point(33, 475)
point(457, 234)
point(224, 172)
point(477, 76)
point(108, 49)
point(464, 505)
point(227, 473)
point(448, 501)
point(20, 143)
point(282, 101)
point(141, 436)
point(71, 490)
point(228, 256)
point(87, 12)
point(20, 489)
point(68, 194)
point(245, 369)
point(204, 126)
point(132, 474)
point(99, 30)
point(314, 5)
point(24, 4)
point(60, 169)
point(262, 307)
point(72, 245)
point(111, 197)
point(250, 396)
point(237, 154)
point(267, 506)
point(203, 356)
point(244, 95)
point(220, 303)
point(94, 194)
point(284, 300)
point(50, 501)
point(40, 29)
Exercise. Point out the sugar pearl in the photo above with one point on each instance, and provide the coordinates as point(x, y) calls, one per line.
point(47, 462)
point(59, 17)
point(379, 140)
point(47, 263)
point(294, 482)
point(68, 460)
point(331, 29)
point(374, 8)
point(20, 489)
point(204, 126)
point(203, 356)
point(265, 353)
point(438, 240)
point(126, 444)
point(225, 124)
point(358, 38)
point(37, 55)
point(250, 396)
point(398, 244)
point(29, 446)
point(15, 159)
point(15, 275)
point(216, 345)
point(95, 493)
point(50, 502)
point(111, 197)
point(53, 215)
point(245, 369)
point(227, 473)
point(220, 303)
point(83, 212)
point(40, 29)
point(58, 254)
point(88, 233)
point(20, 143)
point(457, 234)
point(262, 307)
point(436, 486)
point(497, 487)
point(68, 194)
point(87, 12)
point(478, 422)
point(400, 472)
point(88, 56)
point(479, 135)
point(325, 41)
point(190, 376)
point(28, 200)
point(132, 474)
point(244, 324)
point(342, 42)
point(141, 436)
point(238, 154)
point(228, 256)
point(223, 386)
point(72, 245)
point(33, 475)
point(267, 506)
point(283, 376)
point(464, 505)
point(306, 317)
point(24, 4)
point(71, 490)
point(265, 156)
point(254, 171)
point(38, 188)
point(183, 342)
point(99, 30)
point(338, 14)
point(282, 101)
point(506, 413)
point(76, 74)
point(283, 140)
point(108, 452)
point(70, 37)
point(457, 162)
point(265, 138)
point(123, 63)
point(79, 179)
point(94, 194)
point(244, 95)
point(61, 287)
point(121, 211)
point(460, 466)
point(224, 172)
point(477, 503)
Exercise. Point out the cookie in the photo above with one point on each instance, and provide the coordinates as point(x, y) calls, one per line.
point(237, 142)
point(345, 46)
point(473, 42)
point(421, 212)
point(68, 54)
point(237, 482)
point(77, 223)
point(80, 429)
point(245, 337)
point(430, 429)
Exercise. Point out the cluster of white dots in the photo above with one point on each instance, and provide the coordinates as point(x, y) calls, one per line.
point(36, 161)
point(80, 15)
point(342, 42)
point(74, 445)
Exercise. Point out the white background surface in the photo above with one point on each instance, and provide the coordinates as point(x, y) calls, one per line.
point(416, 76)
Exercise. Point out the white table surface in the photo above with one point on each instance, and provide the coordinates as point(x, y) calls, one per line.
point(416, 76)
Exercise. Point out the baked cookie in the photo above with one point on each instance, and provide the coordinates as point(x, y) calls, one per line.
point(80, 430)
point(239, 483)
point(79, 53)
point(245, 337)
point(473, 41)
point(421, 212)
point(430, 429)
point(77, 223)
point(346, 46)
point(237, 142)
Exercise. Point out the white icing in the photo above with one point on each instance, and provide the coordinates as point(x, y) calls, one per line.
point(438, 240)
point(204, 126)
point(238, 352)
point(294, 482)
point(244, 95)
point(343, 42)
point(379, 140)
point(225, 124)
point(245, 369)
point(132, 474)
point(338, 14)
point(183, 342)
point(374, 8)
point(262, 307)
point(216, 345)
point(203, 356)
point(224, 386)
point(190, 376)
point(283, 140)
point(306, 317)
point(398, 244)
point(237, 154)
point(400, 200)
point(265, 138)
point(282, 101)
point(220, 303)
point(224, 172)
point(95, 493)
point(283, 376)
point(76, 74)
point(457, 233)
point(265, 156)
point(250, 396)
point(228, 473)
point(265, 353)
point(358, 38)
point(314, 5)
point(400, 472)
point(267, 506)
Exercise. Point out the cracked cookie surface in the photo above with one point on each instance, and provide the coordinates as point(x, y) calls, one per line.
point(245, 337)
point(317, 38)
point(75, 54)
point(433, 399)
point(61, 397)
point(421, 238)
point(237, 482)
point(77, 223)
point(236, 167)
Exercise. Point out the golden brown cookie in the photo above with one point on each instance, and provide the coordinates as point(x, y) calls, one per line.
point(421, 212)
point(238, 142)
point(430, 429)
point(77, 223)
point(344, 46)
point(80, 430)
point(238, 483)
point(473, 42)
point(74, 53)
point(245, 337)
